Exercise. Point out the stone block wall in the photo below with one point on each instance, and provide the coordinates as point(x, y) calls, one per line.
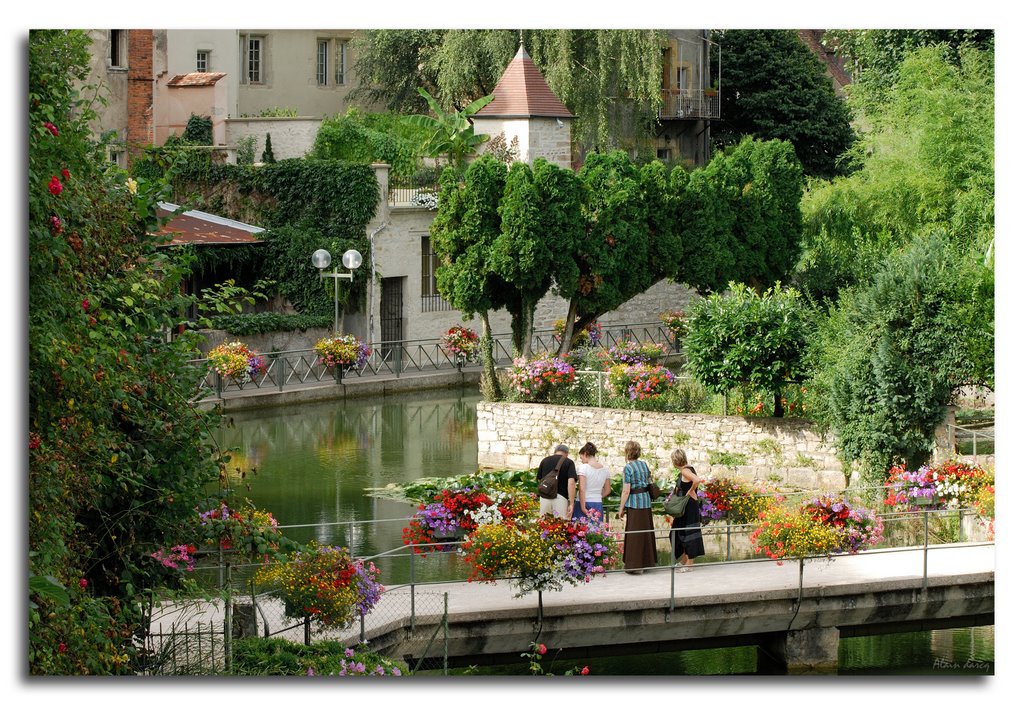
point(788, 453)
point(289, 137)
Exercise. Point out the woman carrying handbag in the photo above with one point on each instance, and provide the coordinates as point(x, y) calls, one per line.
point(687, 540)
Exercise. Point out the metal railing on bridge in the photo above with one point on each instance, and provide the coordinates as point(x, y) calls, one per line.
point(295, 368)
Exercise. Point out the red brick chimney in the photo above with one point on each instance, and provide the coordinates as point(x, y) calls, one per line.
point(140, 90)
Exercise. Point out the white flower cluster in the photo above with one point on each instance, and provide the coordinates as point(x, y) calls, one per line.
point(950, 491)
point(487, 514)
point(424, 199)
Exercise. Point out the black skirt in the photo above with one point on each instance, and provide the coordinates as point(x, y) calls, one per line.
point(686, 535)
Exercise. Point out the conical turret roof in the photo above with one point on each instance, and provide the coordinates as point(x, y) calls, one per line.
point(523, 92)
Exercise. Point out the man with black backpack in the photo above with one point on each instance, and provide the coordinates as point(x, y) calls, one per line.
point(556, 483)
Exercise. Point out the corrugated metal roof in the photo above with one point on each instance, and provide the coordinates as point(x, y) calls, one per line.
point(199, 228)
point(523, 92)
point(197, 78)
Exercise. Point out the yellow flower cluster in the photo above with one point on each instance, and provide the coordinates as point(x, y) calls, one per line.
point(505, 550)
point(782, 534)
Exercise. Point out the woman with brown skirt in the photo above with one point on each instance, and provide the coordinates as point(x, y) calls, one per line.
point(638, 551)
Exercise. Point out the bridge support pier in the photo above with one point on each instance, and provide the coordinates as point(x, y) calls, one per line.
point(801, 651)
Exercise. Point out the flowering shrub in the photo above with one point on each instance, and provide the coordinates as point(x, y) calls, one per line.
point(538, 651)
point(345, 351)
point(675, 321)
point(585, 547)
point(541, 554)
point(354, 664)
point(517, 551)
point(323, 583)
point(948, 485)
point(639, 381)
point(537, 379)
point(783, 534)
point(236, 359)
point(461, 511)
point(723, 496)
point(630, 352)
point(858, 528)
point(180, 556)
point(249, 530)
point(462, 343)
point(761, 403)
point(588, 337)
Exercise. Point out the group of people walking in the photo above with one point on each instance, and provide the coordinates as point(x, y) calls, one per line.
point(580, 491)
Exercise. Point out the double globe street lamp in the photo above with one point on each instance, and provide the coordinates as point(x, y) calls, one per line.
point(322, 260)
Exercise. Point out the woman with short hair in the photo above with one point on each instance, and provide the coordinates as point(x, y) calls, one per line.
point(638, 551)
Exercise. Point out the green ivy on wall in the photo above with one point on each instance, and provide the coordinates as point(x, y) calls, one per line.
point(305, 204)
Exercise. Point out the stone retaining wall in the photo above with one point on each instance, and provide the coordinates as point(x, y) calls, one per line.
point(784, 452)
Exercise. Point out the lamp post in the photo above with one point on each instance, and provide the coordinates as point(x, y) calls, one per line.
point(322, 260)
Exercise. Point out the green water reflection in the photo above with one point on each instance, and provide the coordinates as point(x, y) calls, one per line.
point(955, 652)
point(310, 464)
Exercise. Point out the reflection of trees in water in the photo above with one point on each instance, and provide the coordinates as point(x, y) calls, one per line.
point(400, 429)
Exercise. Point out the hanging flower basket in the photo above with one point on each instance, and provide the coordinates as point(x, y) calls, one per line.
point(342, 352)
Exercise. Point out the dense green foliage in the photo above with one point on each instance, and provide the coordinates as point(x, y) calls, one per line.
point(280, 657)
point(267, 322)
point(306, 204)
point(449, 134)
point(874, 56)
point(890, 354)
point(609, 79)
point(363, 138)
point(541, 223)
point(748, 338)
point(466, 226)
point(268, 151)
point(739, 217)
point(117, 457)
point(773, 87)
point(926, 164)
point(198, 130)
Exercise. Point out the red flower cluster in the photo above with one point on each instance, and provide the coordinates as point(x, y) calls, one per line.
point(51, 127)
point(56, 186)
point(462, 504)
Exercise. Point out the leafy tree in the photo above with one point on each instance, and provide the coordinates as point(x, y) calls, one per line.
point(739, 216)
point(874, 56)
point(541, 222)
point(748, 338)
point(609, 79)
point(774, 88)
point(450, 134)
point(462, 234)
point(622, 250)
point(268, 152)
point(926, 164)
point(117, 457)
point(890, 354)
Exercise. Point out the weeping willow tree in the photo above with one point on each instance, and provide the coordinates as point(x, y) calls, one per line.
point(610, 79)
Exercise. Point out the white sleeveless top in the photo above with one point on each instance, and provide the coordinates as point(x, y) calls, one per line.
point(595, 480)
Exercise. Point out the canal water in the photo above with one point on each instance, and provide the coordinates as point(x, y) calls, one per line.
point(310, 466)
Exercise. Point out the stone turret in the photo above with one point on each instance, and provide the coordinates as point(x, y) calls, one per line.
point(525, 108)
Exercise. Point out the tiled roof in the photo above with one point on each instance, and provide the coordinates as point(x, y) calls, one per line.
point(523, 92)
point(199, 228)
point(199, 78)
point(814, 40)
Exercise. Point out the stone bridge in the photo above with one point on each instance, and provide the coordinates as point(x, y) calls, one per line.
point(795, 614)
